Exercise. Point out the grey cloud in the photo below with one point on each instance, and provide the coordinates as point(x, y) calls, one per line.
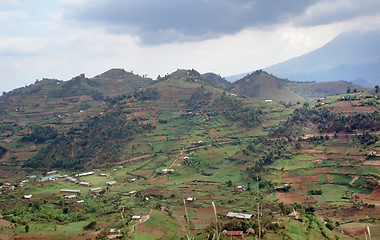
point(327, 11)
point(166, 21)
point(156, 22)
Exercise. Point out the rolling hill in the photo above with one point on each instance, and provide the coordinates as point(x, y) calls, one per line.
point(261, 85)
point(182, 154)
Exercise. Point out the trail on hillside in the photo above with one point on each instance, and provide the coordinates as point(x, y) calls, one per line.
point(133, 159)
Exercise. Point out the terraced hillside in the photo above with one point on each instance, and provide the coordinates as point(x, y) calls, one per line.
point(171, 151)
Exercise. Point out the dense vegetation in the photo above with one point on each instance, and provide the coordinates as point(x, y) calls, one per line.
point(98, 140)
point(3, 150)
point(40, 134)
point(233, 109)
point(327, 121)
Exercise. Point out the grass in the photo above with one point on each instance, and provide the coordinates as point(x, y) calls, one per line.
point(330, 193)
point(145, 236)
point(52, 228)
point(296, 230)
point(158, 220)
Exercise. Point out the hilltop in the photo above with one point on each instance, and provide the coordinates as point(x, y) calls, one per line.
point(262, 85)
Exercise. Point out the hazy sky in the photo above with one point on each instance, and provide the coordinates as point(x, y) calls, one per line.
point(62, 39)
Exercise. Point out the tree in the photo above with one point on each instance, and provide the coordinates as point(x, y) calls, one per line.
point(377, 88)
point(348, 90)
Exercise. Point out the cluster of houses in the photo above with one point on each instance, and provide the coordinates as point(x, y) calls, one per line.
point(68, 194)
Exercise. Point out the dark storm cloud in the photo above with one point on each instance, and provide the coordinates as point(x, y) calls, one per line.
point(165, 21)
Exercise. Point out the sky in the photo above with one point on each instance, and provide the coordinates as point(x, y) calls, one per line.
point(64, 38)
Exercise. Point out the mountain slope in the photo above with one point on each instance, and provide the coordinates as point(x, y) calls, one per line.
point(118, 81)
point(352, 56)
point(315, 90)
point(217, 80)
point(263, 86)
point(51, 97)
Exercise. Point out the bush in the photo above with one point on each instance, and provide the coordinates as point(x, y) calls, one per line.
point(330, 225)
point(90, 226)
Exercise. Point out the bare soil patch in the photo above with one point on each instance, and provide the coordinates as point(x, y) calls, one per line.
point(25, 155)
point(237, 155)
point(375, 195)
point(354, 179)
point(354, 231)
point(365, 109)
point(160, 138)
point(214, 134)
point(156, 232)
point(4, 237)
point(372, 163)
point(161, 180)
point(289, 198)
point(5, 223)
point(343, 107)
point(324, 170)
point(40, 237)
point(204, 197)
point(329, 178)
point(300, 179)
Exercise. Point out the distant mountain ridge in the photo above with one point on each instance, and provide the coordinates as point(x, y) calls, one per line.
point(262, 85)
point(351, 56)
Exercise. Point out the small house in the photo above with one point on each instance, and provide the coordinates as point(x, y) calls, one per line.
point(70, 197)
point(268, 101)
point(52, 177)
point(98, 189)
point(239, 215)
point(9, 187)
point(80, 201)
point(33, 176)
point(191, 199)
point(166, 170)
point(84, 174)
point(29, 196)
point(240, 189)
point(71, 179)
point(293, 214)
point(132, 192)
point(104, 175)
point(51, 172)
point(71, 191)
point(114, 232)
point(111, 183)
point(136, 217)
point(85, 184)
